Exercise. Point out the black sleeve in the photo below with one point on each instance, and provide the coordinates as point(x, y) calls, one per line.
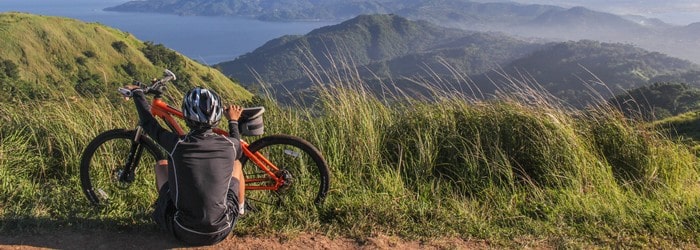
point(165, 138)
point(233, 130)
point(234, 133)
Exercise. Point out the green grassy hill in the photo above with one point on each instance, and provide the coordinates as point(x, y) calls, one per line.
point(54, 57)
point(517, 171)
point(58, 90)
point(360, 41)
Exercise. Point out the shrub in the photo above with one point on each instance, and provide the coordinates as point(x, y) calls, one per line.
point(89, 53)
point(120, 46)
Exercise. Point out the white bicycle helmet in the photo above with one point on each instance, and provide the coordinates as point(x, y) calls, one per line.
point(201, 108)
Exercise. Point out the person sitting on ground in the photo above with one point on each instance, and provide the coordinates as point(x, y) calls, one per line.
point(201, 184)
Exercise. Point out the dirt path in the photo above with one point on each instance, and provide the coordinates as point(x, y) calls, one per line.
point(117, 240)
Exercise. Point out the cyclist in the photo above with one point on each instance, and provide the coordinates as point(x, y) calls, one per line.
point(201, 184)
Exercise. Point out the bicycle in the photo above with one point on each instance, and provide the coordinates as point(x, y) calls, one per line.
point(278, 168)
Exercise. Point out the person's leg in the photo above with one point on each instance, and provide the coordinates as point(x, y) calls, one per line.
point(164, 210)
point(161, 170)
point(238, 174)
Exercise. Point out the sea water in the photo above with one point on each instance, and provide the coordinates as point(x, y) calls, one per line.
point(209, 40)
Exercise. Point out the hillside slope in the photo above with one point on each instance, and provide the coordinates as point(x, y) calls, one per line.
point(380, 47)
point(391, 50)
point(571, 69)
point(364, 39)
point(42, 55)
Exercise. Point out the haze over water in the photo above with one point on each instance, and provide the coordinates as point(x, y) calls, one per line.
point(209, 40)
point(677, 12)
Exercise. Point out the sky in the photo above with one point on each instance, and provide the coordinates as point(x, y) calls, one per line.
point(681, 12)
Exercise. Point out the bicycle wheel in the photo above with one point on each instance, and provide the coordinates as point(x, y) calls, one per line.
point(117, 172)
point(300, 165)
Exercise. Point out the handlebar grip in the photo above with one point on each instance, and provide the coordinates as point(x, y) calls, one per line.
point(157, 88)
point(125, 92)
point(167, 79)
point(170, 75)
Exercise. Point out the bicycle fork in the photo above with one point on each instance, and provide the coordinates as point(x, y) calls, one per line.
point(126, 175)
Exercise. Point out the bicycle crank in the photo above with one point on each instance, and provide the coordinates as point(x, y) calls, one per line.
point(287, 178)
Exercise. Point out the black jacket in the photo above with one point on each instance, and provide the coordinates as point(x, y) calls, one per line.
point(200, 166)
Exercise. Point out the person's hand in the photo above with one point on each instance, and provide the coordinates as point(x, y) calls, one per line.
point(233, 112)
point(131, 87)
point(127, 90)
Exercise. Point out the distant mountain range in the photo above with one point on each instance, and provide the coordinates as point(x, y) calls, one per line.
point(570, 70)
point(456, 10)
point(384, 44)
point(523, 20)
point(393, 49)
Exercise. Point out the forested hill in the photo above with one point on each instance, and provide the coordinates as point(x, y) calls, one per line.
point(47, 58)
point(388, 45)
point(569, 69)
point(389, 48)
point(658, 101)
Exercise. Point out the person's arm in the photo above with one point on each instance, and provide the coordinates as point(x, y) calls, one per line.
point(149, 123)
point(233, 129)
point(233, 113)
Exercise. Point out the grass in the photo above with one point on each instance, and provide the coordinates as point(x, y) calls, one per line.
point(682, 128)
point(493, 170)
point(80, 59)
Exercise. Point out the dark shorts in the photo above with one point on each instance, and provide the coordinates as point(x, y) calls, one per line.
point(164, 215)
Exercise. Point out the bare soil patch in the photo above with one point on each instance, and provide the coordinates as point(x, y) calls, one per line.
point(101, 239)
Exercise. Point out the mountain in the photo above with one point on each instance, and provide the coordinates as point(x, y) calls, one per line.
point(260, 9)
point(471, 15)
point(653, 23)
point(380, 46)
point(689, 32)
point(393, 50)
point(472, 54)
point(436, 10)
point(581, 23)
point(47, 58)
point(525, 21)
point(569, 69)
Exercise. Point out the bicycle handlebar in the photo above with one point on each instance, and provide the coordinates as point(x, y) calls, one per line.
point(156, 88)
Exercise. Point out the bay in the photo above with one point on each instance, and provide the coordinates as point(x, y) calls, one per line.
point(209, 40)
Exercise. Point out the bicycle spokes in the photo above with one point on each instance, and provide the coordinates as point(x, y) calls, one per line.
point(113, 170)
point(291, 177)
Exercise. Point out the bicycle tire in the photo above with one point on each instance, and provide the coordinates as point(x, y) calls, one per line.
point(308, 183)
point(100, 167)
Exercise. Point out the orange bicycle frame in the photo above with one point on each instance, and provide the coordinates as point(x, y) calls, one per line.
point(168, 114)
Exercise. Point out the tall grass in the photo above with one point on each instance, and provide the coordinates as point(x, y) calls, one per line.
point(523, 165)
point(520, 168)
